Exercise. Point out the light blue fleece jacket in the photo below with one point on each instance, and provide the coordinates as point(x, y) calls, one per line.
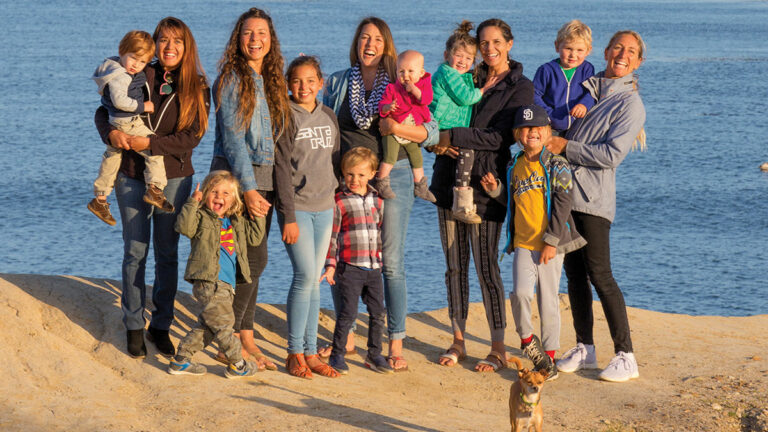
point(600, 141)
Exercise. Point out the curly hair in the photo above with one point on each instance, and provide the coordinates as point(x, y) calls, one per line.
point(221, 176)
point(233, 67)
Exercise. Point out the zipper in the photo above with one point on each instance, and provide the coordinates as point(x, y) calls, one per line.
point(567, 95)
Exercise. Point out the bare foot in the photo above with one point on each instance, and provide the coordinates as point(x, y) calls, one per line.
point(396, 359)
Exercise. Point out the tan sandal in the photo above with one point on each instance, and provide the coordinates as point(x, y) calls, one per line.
point(318, 367)
point(493, 359)
point(297, 366)
point(454, 353)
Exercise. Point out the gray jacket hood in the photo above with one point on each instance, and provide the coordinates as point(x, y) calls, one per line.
point(107, 71)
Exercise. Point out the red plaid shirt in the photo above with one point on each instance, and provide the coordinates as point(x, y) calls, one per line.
point(356, 235)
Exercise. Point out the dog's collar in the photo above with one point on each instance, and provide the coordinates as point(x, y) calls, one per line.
point(530, 404)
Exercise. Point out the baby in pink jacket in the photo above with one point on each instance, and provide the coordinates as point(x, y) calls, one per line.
point(407, 102)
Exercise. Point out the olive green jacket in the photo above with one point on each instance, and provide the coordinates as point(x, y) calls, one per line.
point(203, 227)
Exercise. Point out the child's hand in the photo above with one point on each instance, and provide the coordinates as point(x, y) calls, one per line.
point(388, 108)
point(579, 111)
point(149, 107)
point(547, 253)
point(490, 83)
point(290, 233)
point(197, 195)
point(489, 182)
point(412, 89)
point(328, 275)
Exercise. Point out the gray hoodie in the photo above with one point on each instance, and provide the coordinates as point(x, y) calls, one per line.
point(121, 93)
point(602, 139)
point(306, 162)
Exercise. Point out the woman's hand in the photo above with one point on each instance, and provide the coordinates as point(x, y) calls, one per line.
point(138, 143)
point(547, 253)
point(489, 183)
point(119, 140)
point(290, 233)
point(256, 204)
point(556, 144)
point(387, 126)
point(444, 147)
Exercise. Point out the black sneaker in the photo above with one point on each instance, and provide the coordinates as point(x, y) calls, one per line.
point(136, 347)
point(162, 341)
point(535, 352)
point(378, 364)
point(337, 362)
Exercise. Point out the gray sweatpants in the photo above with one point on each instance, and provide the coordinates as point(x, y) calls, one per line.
point(215, 322)
point(528, 274)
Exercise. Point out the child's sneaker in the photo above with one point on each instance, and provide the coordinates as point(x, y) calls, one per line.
point(183, 366)
point(378, 364)
point(157, 198)
point(421, 190)
point(337, 362)
point(101, 210)
point(535, 352)
point(384, 188)
point(622, 368)
point(247, 369)
point(579, 357)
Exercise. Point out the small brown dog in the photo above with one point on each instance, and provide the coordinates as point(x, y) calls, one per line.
point(525, 412)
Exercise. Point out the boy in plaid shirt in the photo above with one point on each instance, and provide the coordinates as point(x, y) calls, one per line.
point(353, 263)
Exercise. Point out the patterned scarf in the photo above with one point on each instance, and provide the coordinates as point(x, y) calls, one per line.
point(363, 112)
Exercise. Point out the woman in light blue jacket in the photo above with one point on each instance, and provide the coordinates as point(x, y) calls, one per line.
point(252, 111)
point(354, 95)
point(595, 146)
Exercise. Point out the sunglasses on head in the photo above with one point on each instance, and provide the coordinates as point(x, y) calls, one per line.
point(165, 87)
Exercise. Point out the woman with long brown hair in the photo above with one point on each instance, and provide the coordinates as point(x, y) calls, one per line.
point(252, 111)
point(177, 86)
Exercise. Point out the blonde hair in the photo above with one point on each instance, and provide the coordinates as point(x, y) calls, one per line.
point(193, 84)
point(214, 178)
point(460, 38)
point(574, 30)
point(517, 132)
point(640, 139)
point(389, 57)
point(137, 42)
point(358, 155)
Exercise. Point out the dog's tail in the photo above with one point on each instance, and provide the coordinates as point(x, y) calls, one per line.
point(516, 361)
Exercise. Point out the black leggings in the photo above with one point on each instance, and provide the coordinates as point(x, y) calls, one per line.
point(592, 263)
point(244, 304)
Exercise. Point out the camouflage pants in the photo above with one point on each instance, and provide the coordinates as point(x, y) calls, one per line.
point(215, 322)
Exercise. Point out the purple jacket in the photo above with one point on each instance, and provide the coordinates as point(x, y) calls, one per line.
point(558, 96)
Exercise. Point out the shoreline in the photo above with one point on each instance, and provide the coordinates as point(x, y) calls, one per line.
point(67, 367)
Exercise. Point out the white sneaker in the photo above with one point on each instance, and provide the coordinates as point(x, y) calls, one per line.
point(622, 368)
point(579, 357)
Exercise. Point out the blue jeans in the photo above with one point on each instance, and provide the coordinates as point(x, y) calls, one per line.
point(137, 218)
point(397, 213)
point(308, 259)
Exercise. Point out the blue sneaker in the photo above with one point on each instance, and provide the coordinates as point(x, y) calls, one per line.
point(248, 369)
point(337, 362)
point(184, 366)
point(378, 364)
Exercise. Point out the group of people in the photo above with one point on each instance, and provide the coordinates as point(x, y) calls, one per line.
point(342, 214)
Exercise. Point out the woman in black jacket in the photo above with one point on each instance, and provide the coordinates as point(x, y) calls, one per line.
point(489, 136)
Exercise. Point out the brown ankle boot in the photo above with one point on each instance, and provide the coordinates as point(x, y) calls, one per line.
point(101, 210)
point(157, 198)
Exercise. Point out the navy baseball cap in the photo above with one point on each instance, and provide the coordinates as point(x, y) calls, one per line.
point(531, 116)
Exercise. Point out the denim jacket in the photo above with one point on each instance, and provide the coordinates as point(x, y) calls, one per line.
point(243, 149)
point(336, 90)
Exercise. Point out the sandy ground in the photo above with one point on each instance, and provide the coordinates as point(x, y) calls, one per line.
point(65, 368)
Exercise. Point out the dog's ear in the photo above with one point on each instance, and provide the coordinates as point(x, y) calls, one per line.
point(520, 373)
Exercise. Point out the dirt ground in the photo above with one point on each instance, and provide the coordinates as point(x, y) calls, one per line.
point(65, 368)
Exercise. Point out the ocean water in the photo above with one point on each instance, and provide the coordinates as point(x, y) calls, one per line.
point(692, 219)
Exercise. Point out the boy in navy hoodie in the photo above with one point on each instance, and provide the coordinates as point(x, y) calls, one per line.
point(557, 84)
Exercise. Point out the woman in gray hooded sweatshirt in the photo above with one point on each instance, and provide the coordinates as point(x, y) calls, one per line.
point(595, 146)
